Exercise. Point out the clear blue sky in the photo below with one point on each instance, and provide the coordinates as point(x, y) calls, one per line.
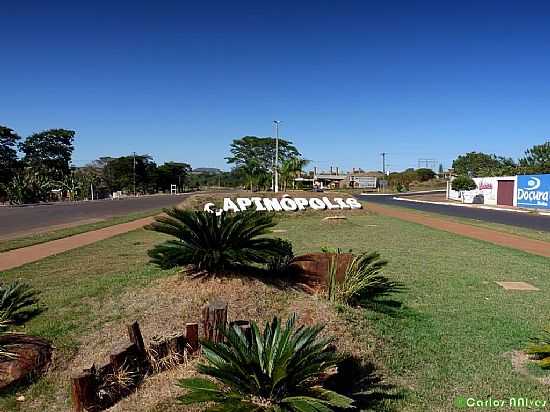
point(179, 79)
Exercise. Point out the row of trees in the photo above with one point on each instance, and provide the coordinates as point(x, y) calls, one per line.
point(39, 167)
point(536, 160)
point(44, 164)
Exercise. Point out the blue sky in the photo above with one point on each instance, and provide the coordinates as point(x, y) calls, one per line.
point(349, 79)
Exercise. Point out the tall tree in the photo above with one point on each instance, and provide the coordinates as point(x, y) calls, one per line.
point(261, 150)
point(172, 173)
point(50, 152)
point(476, 164)
point(119, 174)
point(8, 155)
point(292, 168)
point(536, 159)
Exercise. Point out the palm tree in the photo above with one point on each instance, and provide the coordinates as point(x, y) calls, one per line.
point(252, 171)
point(292, 168)
point(213, 243)
point(279, 370)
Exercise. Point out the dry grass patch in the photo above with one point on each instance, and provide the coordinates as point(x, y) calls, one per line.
point(169, 303)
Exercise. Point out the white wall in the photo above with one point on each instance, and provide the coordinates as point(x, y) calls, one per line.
point(486, 186)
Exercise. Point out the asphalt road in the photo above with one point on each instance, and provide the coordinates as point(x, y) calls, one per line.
point(530, 221)
point(16, 221)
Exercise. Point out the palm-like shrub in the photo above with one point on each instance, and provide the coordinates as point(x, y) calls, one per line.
point(16, 301)
point(278, 370)
point(539, 348)
point(363, 280)
point(215, 243)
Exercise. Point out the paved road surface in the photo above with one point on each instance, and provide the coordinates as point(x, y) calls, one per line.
point(15, 221)
point(525, 220)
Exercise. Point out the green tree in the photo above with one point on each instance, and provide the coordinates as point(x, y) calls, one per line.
point(118, 174)
point(425, 174)
point(440, 170)
point(50, 152)
point(536, 159)
point(475, 164)
point(261, 150)
point(172, 173)
point(28, 186)
point(8, 155)
point(253, 171)
point(463, 183)
point(290, 169)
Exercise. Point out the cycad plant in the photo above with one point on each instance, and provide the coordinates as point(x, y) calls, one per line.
point(16, 301)
point(363, 280)
point(215, 243)
point(278, 370)
point(539, 348)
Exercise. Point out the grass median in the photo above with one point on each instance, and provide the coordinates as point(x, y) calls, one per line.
point(453, 336)
point(35, 239)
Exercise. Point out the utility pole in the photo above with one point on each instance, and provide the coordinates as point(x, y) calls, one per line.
point(134, 174)
point(276, 171)
point(383, 162)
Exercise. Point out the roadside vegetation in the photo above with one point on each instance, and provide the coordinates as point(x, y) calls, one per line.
point(451, 331)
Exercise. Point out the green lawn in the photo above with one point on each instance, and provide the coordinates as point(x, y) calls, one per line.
point(515, 230)
point(35, 239)
point(448, 340)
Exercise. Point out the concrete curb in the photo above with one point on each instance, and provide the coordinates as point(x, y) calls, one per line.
point(422, 192)
point(472, 206)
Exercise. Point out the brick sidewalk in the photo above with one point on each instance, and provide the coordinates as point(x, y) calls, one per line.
point(14, 258)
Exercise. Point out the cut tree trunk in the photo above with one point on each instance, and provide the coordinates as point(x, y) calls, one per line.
point(214, 319)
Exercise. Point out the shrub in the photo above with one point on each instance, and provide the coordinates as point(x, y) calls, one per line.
point(16, 301)
point(214, 243)
point(539, 347)
point(279, 266)
point(362, 281)
point(461, 183)
point(278, 370)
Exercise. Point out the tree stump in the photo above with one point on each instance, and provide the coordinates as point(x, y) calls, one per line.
point(192, 336)
point(214, 319)
point(134, 333)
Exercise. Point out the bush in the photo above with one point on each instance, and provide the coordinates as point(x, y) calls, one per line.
point(539, 348)
point(279, 266)
point(277, 370)
point(17, 302)
point(461, 183)
point(425, 174)
point(362, 281)
point(214, 243)
point(16, 305)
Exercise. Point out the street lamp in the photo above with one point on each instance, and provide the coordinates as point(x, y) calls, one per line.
point(276, 171)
